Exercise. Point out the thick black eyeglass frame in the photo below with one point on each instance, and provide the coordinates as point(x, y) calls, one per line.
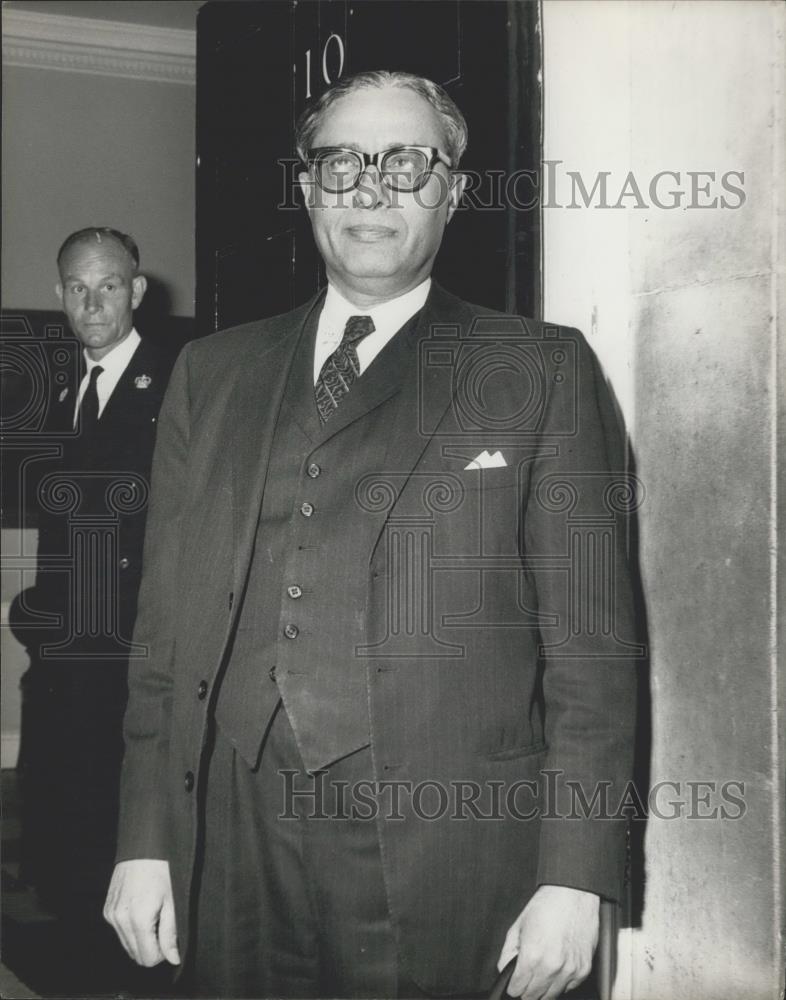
point(366, 160)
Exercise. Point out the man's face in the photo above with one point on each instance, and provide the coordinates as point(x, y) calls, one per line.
point(99, 292)
point(378, 243)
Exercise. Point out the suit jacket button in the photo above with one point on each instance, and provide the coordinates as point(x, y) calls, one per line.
point(272, 674)
point(124, 563)
point(314, 470)
point(306, 509)
point(294, 591)
point(202, 690)
point(291, 631)
point(188, 781)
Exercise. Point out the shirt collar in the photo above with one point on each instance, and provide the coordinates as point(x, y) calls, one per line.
point(116, 361)
point(390, 315)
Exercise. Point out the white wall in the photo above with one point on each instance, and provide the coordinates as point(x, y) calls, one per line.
point(82, 149)
point(685, 309)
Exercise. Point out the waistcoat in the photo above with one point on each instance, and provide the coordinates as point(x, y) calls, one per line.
point(304, 606)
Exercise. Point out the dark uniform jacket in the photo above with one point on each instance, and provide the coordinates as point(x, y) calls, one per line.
point(91, 498)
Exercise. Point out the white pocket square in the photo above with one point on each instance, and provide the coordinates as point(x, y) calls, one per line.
point(486, 461)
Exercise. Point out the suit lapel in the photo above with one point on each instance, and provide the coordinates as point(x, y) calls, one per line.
point(136, 386)
point(426, 393)
point(299, 399)
point(252, 416)
point(62, 415)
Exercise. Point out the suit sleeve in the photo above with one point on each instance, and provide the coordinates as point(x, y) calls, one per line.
point(575, 527)
point(143, 802)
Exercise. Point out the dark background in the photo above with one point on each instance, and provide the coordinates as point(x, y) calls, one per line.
point(258, 63)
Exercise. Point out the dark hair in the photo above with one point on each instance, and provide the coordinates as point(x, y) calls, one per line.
point(96, 232)
point(452, 119)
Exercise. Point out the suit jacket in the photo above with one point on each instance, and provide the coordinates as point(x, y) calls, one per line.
point(516, 679)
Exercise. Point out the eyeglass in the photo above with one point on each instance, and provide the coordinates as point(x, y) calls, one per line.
point(402, 168)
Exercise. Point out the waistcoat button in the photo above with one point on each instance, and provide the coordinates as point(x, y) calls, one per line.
point(314, 470)
point(291, 631)
point(306, 509)
point(188, 781)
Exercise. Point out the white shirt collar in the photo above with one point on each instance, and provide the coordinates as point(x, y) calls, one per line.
point(113, 364)
point(116, 361)
point(388, 319)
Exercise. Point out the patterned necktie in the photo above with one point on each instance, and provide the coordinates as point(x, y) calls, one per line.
point(88, 411)
point(342, 367)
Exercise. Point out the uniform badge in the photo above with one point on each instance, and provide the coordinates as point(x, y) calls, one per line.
point(142, 381)
point(62, 396)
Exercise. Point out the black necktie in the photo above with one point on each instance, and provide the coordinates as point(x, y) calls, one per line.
point(342, 367)
point(88, 411)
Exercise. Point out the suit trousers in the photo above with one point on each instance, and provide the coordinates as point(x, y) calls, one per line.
point(291, 900)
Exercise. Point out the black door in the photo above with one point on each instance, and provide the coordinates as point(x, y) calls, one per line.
point(259, 63)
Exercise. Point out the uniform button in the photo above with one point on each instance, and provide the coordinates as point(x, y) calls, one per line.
point(306, 509)
point(202, 690)
point(124, 563)
point(314, 470)
point(188, 781)
point(272, 673)
point(291, 631)
point(294, 591)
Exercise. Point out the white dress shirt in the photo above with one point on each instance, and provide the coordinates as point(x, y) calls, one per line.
point(388, 319)
point(114, 364)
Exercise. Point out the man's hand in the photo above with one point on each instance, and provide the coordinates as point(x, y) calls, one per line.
point(140, 907)
point(555, 937)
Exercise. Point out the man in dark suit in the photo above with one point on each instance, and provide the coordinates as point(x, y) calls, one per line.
point(376, 679)
point(92, 504)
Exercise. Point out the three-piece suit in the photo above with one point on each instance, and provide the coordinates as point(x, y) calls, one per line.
point(436, 576)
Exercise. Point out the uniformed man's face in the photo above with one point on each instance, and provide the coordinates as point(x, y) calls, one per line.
point(379, 243)
point(99, 292)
